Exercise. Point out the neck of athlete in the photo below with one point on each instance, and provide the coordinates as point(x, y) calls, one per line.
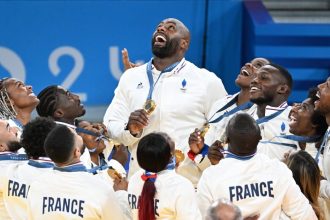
point(276, 102)
point(161, 63)
point(243, 96)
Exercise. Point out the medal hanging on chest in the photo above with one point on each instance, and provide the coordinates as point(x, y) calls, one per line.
point(149, 106)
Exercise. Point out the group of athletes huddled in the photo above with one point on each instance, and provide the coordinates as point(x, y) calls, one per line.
point(173, 145)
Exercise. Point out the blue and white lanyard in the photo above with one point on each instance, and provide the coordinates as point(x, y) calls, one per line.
point(244, 106)
point(269, 117)
point(151, 79)
point(324, 142)
point(302, 139)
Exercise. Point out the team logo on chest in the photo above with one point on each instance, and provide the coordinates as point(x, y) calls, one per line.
point(139, 86)
point(283, 129)
point(183, 85)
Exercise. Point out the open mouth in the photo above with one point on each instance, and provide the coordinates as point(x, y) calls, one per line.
point(292, 118)
point(160, 40)
point(32, 94)
point(244, 72)
point(254, 89)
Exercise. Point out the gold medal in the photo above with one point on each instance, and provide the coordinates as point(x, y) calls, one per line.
point(114, 174)
point(179, 156)
point(204, 129)
point(149, 106)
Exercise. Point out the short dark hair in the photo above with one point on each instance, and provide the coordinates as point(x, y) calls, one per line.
point(243, 133)
point(48, 101)
point(317, 118)
point(284, 73)
point(34, 135)
point(154, 152)
point(59, 144)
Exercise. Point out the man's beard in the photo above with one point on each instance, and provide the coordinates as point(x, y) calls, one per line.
point(260, 101)
point(168, 50)
point(14, 146)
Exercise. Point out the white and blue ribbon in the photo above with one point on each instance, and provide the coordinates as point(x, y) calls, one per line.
point(151, 79)
point(324, 142)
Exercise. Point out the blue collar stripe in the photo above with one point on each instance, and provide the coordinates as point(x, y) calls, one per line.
point(151, 79)
point(280, 143)
point(237, 157)
point(244, 106)
point(269, 117)
point(18, 157)
point(73, 168)
point(302, 139)
point(40, 164)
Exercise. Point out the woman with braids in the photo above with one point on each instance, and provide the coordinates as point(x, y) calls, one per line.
point(157, 192)
point(17, 101)
point(307, 175)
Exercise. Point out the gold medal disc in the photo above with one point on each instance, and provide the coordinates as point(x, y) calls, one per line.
point(204, 130)
point(179, 156)
point(149, 106)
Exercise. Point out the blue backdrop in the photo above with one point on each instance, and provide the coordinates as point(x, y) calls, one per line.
point(77, 44)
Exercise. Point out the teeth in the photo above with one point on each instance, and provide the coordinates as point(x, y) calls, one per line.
point(245, 72)
point(293, 118)
point(160, 38)
point(254, 88)
point(318, 94)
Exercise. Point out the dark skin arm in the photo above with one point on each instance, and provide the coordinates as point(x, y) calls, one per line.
point(137, 121)
point(214, 153)
point(196, 142)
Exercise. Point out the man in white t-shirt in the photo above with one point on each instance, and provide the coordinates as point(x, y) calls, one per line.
point(69, 191)
point(8, 155)
point(256, 184)
point(16, 179)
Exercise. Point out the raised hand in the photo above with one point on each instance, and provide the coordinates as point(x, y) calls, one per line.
point(196, 141)
point(137, 121)
point(215, 154)
point(127, 63)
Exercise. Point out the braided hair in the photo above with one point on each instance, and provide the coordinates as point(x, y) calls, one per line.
point(48, 101)
point(7, 110)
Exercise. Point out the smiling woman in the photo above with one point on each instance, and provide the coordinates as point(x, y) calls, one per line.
point(17, 101)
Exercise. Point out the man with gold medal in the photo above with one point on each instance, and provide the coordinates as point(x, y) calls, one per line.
point(167, 94)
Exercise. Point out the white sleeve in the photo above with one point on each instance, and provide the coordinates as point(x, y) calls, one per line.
point(215, 91)
point(186, 204)
point(118, 167)
point(204, 197)
point(295, 204)
point(122, 198)
point(117, 114)
point(325, 189)
point(111, 209)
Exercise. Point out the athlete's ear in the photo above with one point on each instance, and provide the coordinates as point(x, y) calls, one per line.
point(283, 89)
point(76, 152)
point(58, 113)
point(184, 44)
